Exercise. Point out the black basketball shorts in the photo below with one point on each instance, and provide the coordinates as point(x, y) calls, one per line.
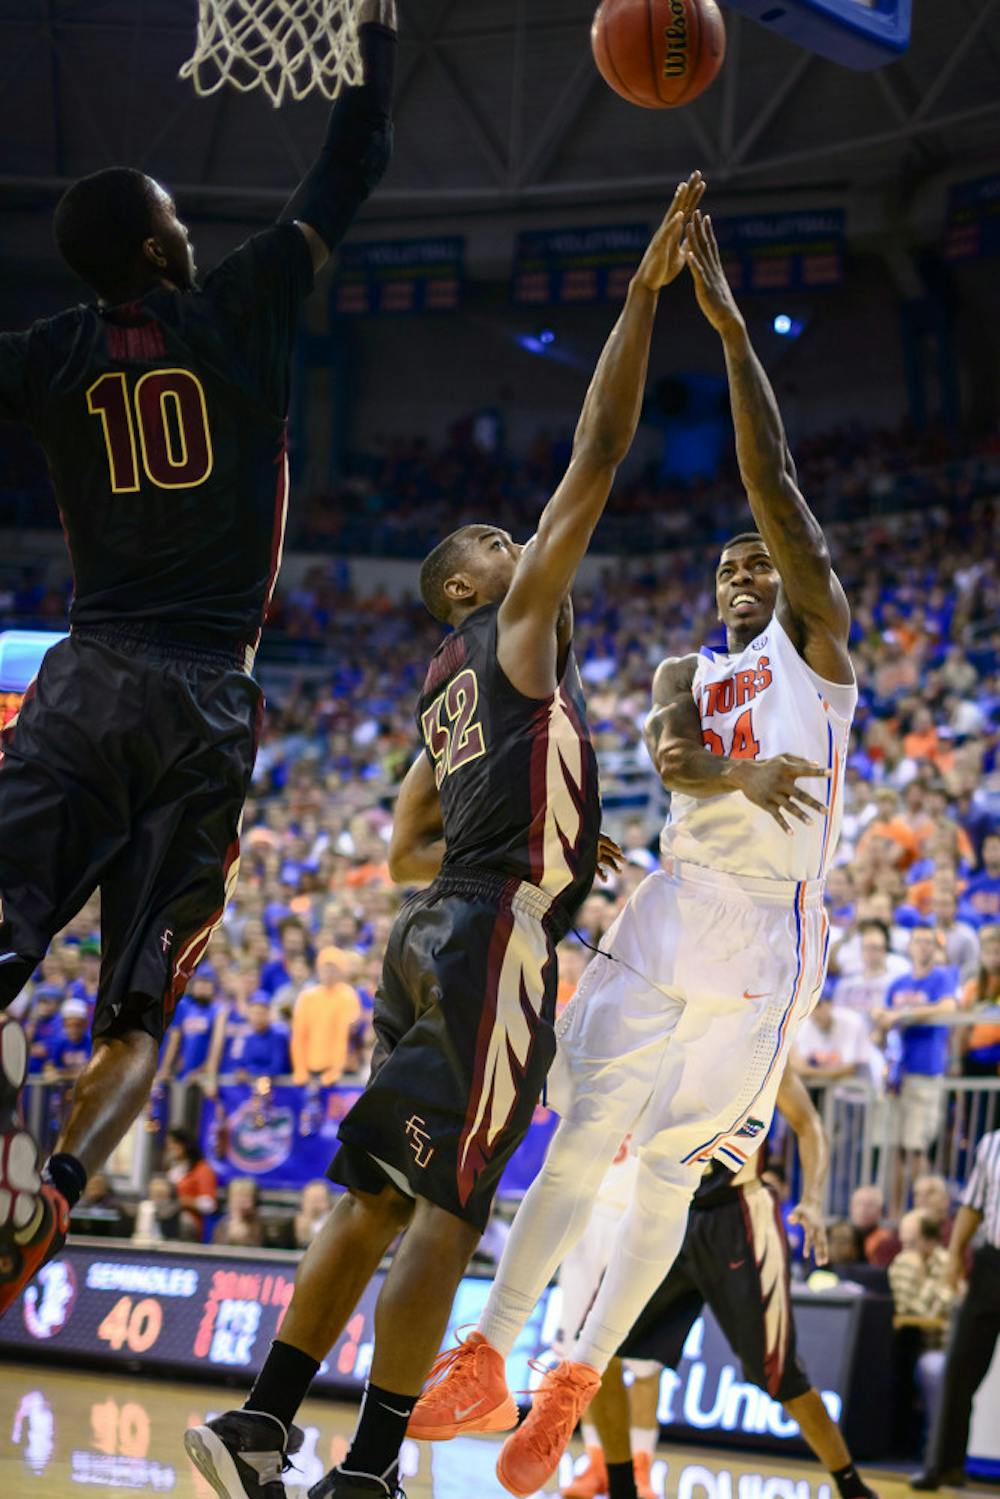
point(735, 1259)
point(464, 1024)
point(126, 769)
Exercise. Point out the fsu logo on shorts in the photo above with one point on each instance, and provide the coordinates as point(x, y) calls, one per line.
point(420, 1140)
point(751, 1129)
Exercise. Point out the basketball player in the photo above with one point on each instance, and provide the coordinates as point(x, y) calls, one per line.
point(735, 1259)
point(161, 409)
point(501, 811)
point(680, 1030)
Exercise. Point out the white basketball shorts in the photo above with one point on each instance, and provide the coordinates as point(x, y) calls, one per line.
point(680, 1029)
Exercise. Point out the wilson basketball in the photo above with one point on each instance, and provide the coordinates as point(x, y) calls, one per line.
point(659, 53)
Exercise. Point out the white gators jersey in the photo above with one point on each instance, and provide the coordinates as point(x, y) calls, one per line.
point(759, 704)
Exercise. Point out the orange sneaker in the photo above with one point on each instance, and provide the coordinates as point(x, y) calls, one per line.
point(466, 1392)
point(34, 1217)
point(531, 1454)
point(591, 1481)
point(642, 1463)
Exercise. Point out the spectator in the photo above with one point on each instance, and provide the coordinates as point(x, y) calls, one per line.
point(926, 992)
point(69, 1047)
point(879, 1243)
point(971, 1350)
point(240, 1227)
point(918, 1276)
point(159, 1215)
point(864, 992)
point(194, 1180)
point(189, 1038)
point(43, 1026)
point(981, 1054)
point(839, 897)
point(932, 1200)
point(832, 1044)
point(314, 1209)
point(845, 1245)
point(845, 955)
point(890, 828)
point(981, 897)
point(263, 1050)
point(99, 1211)
point(294, 942)
point(321, 1024)
point(922, 1296)
point(961, 944)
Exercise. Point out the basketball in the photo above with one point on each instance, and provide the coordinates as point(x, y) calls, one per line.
point(659, 53)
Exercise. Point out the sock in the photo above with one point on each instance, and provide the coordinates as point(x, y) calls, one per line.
point(67, 1176)
point(504, 1316)
point(621, 1481)
point(282, 1383)
point(645, 1438)
point(850, 1483)
point(589, 1434)
point(380, 1432)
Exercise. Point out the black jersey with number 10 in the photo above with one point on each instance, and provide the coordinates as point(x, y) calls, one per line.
point(517, 776)
point(163, 423)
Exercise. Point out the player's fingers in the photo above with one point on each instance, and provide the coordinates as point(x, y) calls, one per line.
point(821, 1250)
point(805, 800)
point(807, 767)
point(775, 812)
point(711, 242)
point(791, 807)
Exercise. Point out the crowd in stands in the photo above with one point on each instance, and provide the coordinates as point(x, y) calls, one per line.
point(287, 985)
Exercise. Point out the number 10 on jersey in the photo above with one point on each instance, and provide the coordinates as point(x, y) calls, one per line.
point(167, 409)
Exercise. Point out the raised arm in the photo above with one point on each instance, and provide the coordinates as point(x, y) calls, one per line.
point(358, 143)
point(812, 605)
point(814, 1153)
point(527, 647)
point(674, 740)
point(416, 847)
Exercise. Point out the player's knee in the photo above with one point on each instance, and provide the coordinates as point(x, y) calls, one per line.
point(578, 1157)
point(642, 1368)
point(391, 1209)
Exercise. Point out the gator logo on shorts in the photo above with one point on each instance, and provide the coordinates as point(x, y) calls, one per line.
point(751, 1129)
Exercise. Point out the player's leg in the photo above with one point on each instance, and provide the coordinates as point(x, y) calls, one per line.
point(64, 814)
point(656, 1340)
point(611, 1040)
point(644, 1400)
point(243, 1453)
point(740, 1254)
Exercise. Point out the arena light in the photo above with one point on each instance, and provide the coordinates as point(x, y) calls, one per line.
point(787, 327)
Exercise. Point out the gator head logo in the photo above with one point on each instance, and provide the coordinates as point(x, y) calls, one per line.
point(751, 1129)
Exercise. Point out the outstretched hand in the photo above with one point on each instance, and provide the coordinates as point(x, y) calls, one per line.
point(773, 785)
point(664, 259)
point(715, 296)
point(809, 1218)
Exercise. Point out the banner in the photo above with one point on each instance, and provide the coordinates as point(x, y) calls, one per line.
point(202, 1313)
point(410, 275)
point(783, 251)
point(577, 265)
point(289, 1137)
point(973, 219)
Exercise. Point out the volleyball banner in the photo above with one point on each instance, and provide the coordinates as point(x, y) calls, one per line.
point(801, 251)
point(577, 265)
point(409, 275)
point(973, 219)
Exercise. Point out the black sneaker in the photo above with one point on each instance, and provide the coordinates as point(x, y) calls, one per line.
point(340, 1484)
point(243, 1454)
point(938, 1478)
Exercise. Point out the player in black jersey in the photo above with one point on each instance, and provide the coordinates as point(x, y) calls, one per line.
point(735, 1259)
point(161, 410)
point(501, 812)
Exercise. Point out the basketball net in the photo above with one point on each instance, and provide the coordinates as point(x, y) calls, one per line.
point(289, 48)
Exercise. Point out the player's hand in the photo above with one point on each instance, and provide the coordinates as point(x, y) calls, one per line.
point(955, 1274)
point(609, 857)
point(664, 259)
point(773, 785)
point(715, 295)
point(809, 1218)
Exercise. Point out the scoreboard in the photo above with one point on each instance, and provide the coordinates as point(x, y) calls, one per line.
point(204, 1314)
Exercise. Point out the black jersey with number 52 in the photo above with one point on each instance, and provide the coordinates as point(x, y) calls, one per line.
point(517, 776)
point(163, 423)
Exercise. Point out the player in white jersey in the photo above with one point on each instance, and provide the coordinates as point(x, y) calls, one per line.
point(680, 1029)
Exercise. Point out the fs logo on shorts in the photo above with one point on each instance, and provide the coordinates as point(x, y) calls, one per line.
point(420, 1140)
point(751, 1129)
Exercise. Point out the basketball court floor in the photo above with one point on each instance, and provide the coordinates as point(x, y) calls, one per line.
point(112, 1436)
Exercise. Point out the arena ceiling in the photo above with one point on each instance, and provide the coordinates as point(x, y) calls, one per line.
point(499, 109)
